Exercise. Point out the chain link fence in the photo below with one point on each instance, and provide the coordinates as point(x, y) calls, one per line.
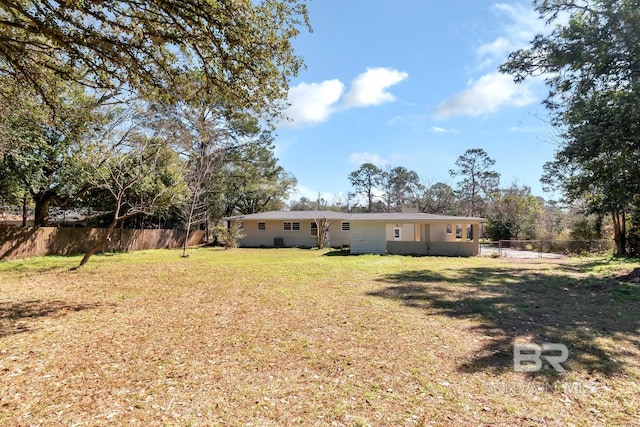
point(546, 248)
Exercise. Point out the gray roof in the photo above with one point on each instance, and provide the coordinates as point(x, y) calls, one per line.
point(341, 216)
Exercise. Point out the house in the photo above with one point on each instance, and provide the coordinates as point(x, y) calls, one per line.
point(364, 233)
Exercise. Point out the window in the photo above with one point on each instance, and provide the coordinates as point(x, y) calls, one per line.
point(240, 225)
point(262, 226)
point(346, 226)
point(291, 226)
point(397, 233)
point(447, 228)
point(314, 228)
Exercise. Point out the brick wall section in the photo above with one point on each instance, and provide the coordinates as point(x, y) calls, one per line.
point(17, 243)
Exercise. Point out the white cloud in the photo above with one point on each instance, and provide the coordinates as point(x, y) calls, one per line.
point(360, 158)
point(313, 102)
point(520, 25)
point(492, 91)
point(410, 119)
point(499, 48)
point(486, 95)
point(522, 22)
point(370, 87)
point(438, 129)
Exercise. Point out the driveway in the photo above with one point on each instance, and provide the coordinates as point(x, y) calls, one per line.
point(493, 250)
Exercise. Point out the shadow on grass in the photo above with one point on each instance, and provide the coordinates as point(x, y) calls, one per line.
point(530, 306)
point(339, 252)
point(17, 317)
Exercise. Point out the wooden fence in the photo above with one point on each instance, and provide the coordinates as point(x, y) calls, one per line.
point(16, 243)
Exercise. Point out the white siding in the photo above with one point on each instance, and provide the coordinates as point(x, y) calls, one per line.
point(303, 238)
point(368, 237)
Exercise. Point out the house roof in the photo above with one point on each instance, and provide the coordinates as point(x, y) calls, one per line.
point(341, 216)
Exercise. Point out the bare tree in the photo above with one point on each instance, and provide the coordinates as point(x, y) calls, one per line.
point(138, 181)
point(323, 225)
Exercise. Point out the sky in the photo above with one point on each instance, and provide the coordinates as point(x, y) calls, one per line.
point(412, 83)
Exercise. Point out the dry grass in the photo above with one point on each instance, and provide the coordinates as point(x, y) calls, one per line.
point(294, 337)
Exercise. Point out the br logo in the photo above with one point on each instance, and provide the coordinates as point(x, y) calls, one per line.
point(529, 357)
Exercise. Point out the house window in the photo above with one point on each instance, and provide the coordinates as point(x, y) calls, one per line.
point(240, 225)
point(314, 228)
point(397, 233)
point(262, 226)
point(346, 226)
point(447, 228)
point(291, 226)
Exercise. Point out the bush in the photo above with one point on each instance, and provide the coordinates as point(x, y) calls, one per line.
point(228, 236)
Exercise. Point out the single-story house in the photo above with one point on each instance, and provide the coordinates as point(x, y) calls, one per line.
point(363, 233)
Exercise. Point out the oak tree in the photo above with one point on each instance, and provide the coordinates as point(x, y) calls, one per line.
point(236, 51)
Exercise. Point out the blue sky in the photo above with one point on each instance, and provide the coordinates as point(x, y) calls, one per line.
point(412, 83)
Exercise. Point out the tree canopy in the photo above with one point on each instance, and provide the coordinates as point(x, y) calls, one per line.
point(401, 187)
point(592, 68)
point(366, 180)
point(478, 179)
point(46, 157)
point(236, 51)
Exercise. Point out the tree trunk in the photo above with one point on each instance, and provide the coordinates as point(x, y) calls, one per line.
point(24, 211)
point(188, 230)
point(41, 212)
point(105, 239)
point(107, 235)
point(620, 233)
point(322, 227)
point(185, 244)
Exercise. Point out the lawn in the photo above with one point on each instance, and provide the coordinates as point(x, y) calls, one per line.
point(306, 337)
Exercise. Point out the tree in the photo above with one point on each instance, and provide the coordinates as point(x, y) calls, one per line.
point(140, 179)
point(514, 213)
point(478, 180)
point(598, 161)
point(239, 52)
point(586, 228)
point(365, 181)
point(250, 181)
point(553, 221)
point(203, 135)
point(401, 186)
point(322, 230)
point(303, 204)
point(592, 68)
point(438, 199)
point(46, 159)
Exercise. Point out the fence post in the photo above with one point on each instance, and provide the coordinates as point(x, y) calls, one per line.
point(540, 249)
